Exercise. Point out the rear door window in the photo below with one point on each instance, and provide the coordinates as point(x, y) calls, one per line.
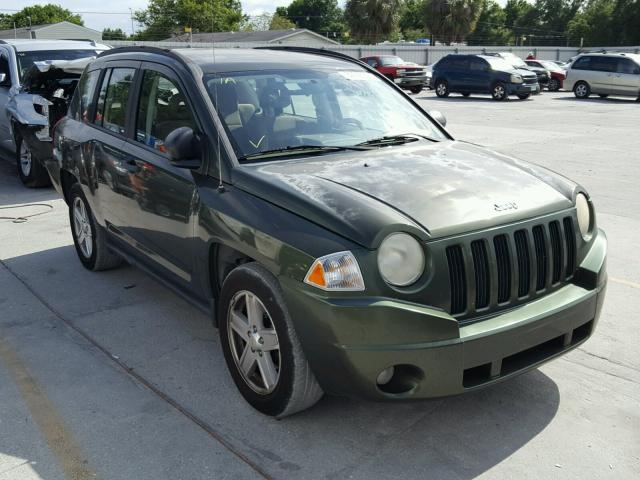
point(627, 66)
point(86, 92)
point(604, 64)
point(162, 109)
point(113, 99)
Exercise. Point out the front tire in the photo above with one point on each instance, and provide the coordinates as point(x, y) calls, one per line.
point(31, 172)
point(89, 237)
point(415, 90)
point(499, 91)
point(582, 90)
point(523, 96)
point(260, 345)
point(554, 85)
point(442, 88)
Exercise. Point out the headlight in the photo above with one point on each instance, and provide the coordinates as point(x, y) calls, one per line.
point(585, 220)
point(400, 259)
point(401, 71)
point(516, 79)
point(336, 272)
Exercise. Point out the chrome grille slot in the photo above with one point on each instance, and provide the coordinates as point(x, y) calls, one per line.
point(455, 259)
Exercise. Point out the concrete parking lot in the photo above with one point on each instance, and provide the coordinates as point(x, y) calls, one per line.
point(109, 375)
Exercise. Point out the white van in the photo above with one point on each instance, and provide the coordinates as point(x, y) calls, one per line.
point(604, 74)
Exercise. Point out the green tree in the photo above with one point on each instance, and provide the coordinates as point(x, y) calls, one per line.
point(451, 21)
point(279, 22)
point(165, 18)
point(41, 15)
point(320, 16)
point(626, 22)
point(490, 28)
point(372, 21)
point(411, 23)
point(113, 34)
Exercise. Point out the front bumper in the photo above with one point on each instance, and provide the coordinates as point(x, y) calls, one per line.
point(349, 341)
point(523, 88)
point(408, 82)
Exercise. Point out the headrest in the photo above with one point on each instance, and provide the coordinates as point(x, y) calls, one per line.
point(227, 98)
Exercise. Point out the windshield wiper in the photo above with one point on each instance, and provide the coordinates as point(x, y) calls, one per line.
point(296, 149)
point(395, 140)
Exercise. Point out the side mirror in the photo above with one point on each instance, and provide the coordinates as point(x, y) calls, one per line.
point(184, 148)
point(438, 117)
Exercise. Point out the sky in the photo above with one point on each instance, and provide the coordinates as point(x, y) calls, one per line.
point(119, 16)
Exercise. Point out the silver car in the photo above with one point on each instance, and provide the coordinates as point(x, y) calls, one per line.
point(604, 74)
point(37, 80)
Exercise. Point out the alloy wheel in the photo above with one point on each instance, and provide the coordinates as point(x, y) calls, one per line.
point(25, 159)
point(254, 342)
point(82, 227)
point(498, 92)
point(441, 89)
point(581, 90)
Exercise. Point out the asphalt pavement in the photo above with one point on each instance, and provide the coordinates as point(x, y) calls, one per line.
point(109, 375)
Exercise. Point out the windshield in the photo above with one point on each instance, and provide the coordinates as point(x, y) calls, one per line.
point(549, 65)
point(514, 60)
point(286, 109)
point(499, 63)
point(391, 60)
point(26, 59)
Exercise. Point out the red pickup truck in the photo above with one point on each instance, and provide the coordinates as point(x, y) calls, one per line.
point(407, 75)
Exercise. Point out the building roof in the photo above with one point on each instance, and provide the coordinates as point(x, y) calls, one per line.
point(25, 32)
point(266, 36)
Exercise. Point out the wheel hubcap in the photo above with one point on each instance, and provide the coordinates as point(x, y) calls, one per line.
point(254, 342)
point(82, 227)
point(582, 90)
point(25, 159)
point(442, 89)
point(498, 92)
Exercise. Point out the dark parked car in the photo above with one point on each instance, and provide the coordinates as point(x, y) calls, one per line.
point(467, 74)
point(407, 75)
point(340, 244)
point(542, 73)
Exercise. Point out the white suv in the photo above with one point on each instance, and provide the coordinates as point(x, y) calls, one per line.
point(30, 105)
point(604, 74)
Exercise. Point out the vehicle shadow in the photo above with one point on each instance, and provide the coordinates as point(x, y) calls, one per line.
point(174, 347)
point(472, 99)
point(13, 192)
point(598, 100)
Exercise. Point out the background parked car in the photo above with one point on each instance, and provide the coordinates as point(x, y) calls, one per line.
point(407, 75)
point(468, 74)
point(605, 74)
point(558, 74)
point(37, 81)
point(542, 73)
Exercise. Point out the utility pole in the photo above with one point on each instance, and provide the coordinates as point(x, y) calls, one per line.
point(131, 15)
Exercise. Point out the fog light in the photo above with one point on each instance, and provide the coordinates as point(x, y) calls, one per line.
point(385, 376)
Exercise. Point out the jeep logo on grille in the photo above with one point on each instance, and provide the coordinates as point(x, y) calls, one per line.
point(501, 207)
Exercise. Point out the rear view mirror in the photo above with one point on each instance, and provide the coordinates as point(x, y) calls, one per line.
point(438, 117)
point(184, 148)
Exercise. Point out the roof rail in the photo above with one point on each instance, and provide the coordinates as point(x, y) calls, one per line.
point(316, 51)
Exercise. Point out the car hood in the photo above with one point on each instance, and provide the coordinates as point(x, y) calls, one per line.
point(432, 189)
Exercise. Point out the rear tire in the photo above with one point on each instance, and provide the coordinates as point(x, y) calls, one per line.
point(442, 88)
point(31, 172)
point(582, 90)
point(415, 90)
point(89, 237)
point(603, 95)
point(524, 96)
point(466, 94)
point(499, 91)
point(260, 344)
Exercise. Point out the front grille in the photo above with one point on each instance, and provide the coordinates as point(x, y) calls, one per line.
point(503, 269)
point(530, 80)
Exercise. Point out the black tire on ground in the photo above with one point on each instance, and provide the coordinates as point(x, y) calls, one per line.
point(294, 387)
point(554, 84)
point(89, 237)
point(31, 172)
point(442, 88)
point(416, 90)
point(523, 96)
point(466, 94)
point(603, 95)
point(499, 91)
point(582, 90)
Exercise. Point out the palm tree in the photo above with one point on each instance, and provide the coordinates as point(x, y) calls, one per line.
point(451, 20)
point(372, 21)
